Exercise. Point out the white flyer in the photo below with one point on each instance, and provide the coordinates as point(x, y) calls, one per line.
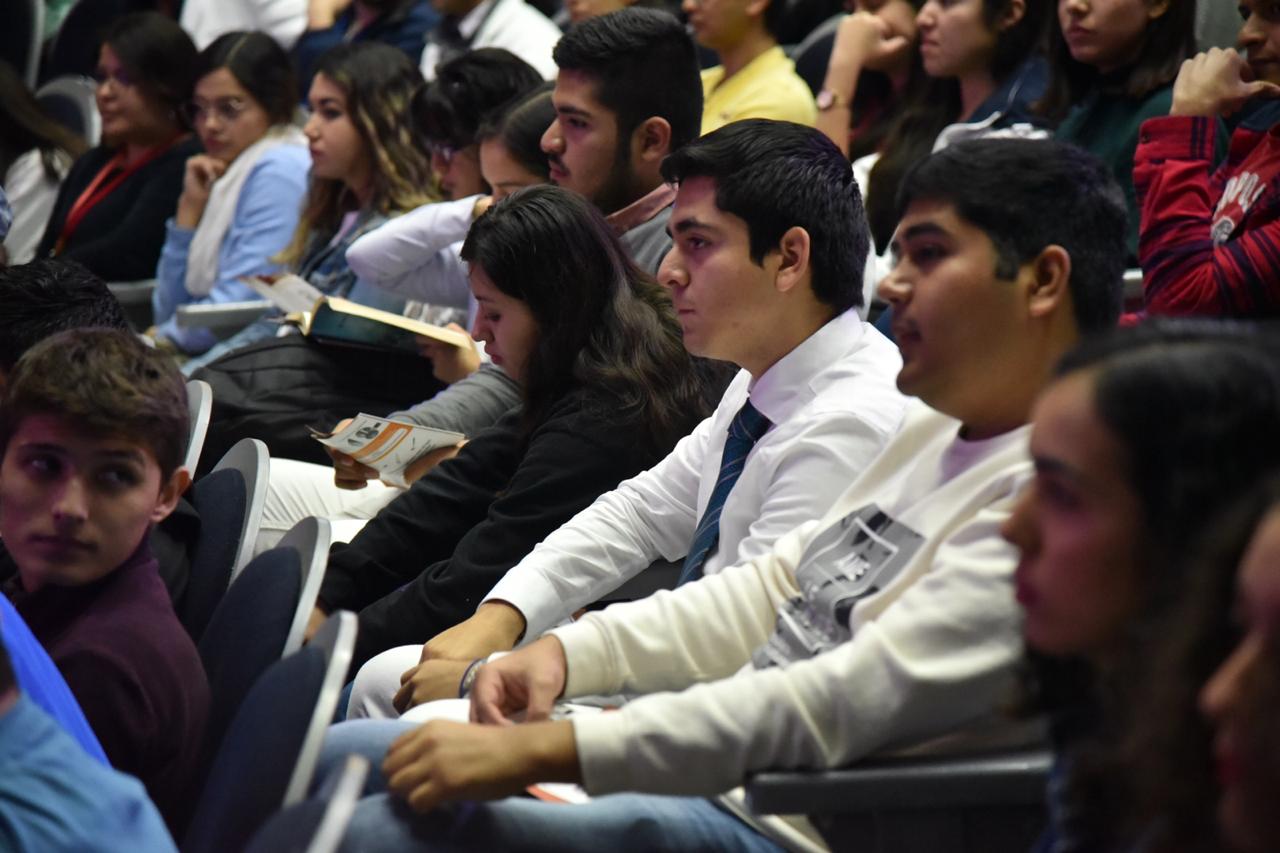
point(290, 293)
point(387, 446)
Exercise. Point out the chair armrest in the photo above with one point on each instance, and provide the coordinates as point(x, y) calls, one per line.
point(1133, 285)
point(222, 315)
point(1016, 778)
point(133, 292)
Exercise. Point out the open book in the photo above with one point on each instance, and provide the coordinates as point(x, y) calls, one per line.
point(389, 447)
point(335, 320)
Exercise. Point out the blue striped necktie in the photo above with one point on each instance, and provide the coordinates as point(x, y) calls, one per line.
point(747, 427)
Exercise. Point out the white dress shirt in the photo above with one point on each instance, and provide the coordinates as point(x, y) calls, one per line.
point(416, 255)
point(833, 405)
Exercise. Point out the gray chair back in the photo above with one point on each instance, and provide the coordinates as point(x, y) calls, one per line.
point(70, 101)
point(199, 407)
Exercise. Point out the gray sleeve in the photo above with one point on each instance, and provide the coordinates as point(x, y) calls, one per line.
point(468, 405)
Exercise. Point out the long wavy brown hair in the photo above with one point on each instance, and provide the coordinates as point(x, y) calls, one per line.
point(379, 82)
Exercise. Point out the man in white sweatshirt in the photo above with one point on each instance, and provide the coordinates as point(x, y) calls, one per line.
point(891, 620)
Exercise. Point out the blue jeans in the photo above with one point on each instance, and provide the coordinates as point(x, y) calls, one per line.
point(619, 823)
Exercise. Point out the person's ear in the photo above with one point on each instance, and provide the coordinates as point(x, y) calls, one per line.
point(793, 252)
point(1050, 285)
point(170, 491)
point(1013, 12)
point(1156, 9)
point(651, 140)
point(755, 8)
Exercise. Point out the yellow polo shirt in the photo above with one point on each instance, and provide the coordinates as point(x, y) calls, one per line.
point(767, 88)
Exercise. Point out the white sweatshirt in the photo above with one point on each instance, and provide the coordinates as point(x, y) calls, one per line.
point(932, 649)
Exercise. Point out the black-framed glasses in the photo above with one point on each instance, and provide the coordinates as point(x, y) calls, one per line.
point(227, 110)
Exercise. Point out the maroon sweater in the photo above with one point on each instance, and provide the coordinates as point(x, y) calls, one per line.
point(134, 670)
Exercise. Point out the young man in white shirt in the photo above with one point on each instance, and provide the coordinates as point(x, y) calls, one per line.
point(769, 239)
point(891, 620)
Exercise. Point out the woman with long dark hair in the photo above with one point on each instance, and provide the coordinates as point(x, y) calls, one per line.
point(1135, 443)
point(606, 388)
point(1112, 67)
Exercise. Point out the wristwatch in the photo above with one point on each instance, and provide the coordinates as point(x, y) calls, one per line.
point(828, 99)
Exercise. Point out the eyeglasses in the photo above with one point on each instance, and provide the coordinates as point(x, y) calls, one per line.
point(442, 150)
point(119, 77)
point(226, 109)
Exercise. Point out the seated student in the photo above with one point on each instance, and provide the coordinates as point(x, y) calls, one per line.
point(754, 79)
point(764, 273)
point(1239, 699)
point(606, 391)
point(93, 428)
point(348, 492)
point(402, 24)
point(111, 209)
point(1184, 199)
point(1112, 67)
point(1132, 441)
point(627, 95)
point(799, 658)
point(54, 796)
point(364, 170)
point(241, 198)
point(35, 154)
point(42, 298)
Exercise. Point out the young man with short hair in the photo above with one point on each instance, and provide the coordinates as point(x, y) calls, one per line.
point(889, 621)
point(764, 274)
point(93, 429)
point(627, 95)
point(755, 78)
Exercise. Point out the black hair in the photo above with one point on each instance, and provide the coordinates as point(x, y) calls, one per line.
point(775, 17)
point(48, 296)
point(644, 64)
point(159, 56)
point(1167, 41)
point(519, 126)
point(776, 175)
point(602, 323)
point(260, 65)
point(24, 125)
point(7, 679)
point(1028, 194)
point(450, 108)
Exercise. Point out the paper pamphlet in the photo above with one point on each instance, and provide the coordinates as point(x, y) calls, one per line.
point(387, 446)
point(289, 293)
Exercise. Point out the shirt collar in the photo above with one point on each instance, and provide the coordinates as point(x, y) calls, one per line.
point(786, 386)
point(642, 209)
